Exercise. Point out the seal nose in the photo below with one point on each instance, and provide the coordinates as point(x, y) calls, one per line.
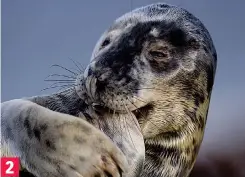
point(90, 69)
point(96, 79)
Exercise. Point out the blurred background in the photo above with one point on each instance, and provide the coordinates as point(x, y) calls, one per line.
point(38, 34)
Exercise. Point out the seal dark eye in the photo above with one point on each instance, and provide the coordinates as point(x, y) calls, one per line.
point(158, 54)
point(105, 42)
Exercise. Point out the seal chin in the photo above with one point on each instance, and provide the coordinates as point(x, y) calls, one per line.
point(107, 108)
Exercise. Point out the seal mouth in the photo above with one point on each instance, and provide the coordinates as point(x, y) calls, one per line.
point(100, 107)
point(139, 113)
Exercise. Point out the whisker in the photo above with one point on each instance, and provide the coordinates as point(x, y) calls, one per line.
point(52, 80)
point(67, 91)
point(148, 89)
point(126, 109)
point(133, 115)
point(138, 98)
point(56, 83)
point(79, 69)
point(81, 66)
point(55, 65)
point(116, 130)
point(62, 83)
point(64, 86)
point(121, 133)
point(57, 86)
point(62, 89)
point(113, 125)
point(61, 76)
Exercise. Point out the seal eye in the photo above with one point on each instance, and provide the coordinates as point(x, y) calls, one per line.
point(105, 42)
point(158, 54)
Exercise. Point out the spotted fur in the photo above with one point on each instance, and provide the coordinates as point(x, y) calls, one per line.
point(52, 138)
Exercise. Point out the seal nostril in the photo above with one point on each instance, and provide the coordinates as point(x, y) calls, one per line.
point(90, 72)
point(100, 85)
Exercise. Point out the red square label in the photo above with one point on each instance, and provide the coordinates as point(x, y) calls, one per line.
point(10, 167)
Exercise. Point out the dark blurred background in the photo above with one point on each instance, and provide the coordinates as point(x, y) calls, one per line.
point(37, 34)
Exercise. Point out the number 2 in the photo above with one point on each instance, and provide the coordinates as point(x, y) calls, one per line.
point(10, 167)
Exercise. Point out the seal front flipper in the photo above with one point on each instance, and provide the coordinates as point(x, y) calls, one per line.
point(53, 144)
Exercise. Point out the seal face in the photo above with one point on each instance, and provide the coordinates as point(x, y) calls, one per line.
point(159, 62)
point(143, 50)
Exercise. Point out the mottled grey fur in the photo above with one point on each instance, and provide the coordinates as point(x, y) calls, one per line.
point(159, 61)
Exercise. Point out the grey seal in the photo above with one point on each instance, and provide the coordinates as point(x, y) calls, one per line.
point(157, 62)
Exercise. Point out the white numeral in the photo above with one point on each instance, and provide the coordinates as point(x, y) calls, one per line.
point(11, 165)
